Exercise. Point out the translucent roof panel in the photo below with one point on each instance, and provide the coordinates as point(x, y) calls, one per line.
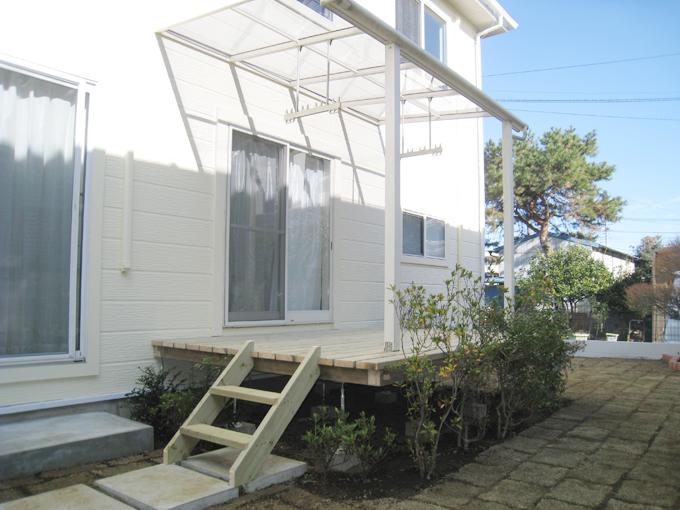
point(298, 47)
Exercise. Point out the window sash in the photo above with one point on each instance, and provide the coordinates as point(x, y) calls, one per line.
point(434, 30)
point(289, 314)
point(424, 241)
point(75, 348)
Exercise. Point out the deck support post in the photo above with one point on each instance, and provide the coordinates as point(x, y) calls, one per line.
point(342, 396)
point(393, 221)
point(508, 214)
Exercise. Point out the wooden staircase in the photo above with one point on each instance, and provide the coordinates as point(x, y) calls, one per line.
point(256, 447)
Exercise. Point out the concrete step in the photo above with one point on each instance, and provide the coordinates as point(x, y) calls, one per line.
point(33, 446)
point(275, 469)
point(167, 487)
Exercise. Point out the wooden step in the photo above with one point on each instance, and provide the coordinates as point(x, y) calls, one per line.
point(216, 435)
point(248, 394)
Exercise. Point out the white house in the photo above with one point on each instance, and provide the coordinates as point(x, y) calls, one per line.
point(173, 169)
point(618, 262)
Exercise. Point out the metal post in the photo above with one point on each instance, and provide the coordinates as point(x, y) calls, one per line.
point(393, 226)
point(342, 396)
point(508, 213)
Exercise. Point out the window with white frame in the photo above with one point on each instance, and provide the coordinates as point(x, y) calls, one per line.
point(279, 233)
point(423, 236)
point(42, 145)
point(434, 35)
point(421, 25)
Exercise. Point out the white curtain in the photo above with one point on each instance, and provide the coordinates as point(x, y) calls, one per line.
point(308, 232)
point(37, 129)
point(257, 230)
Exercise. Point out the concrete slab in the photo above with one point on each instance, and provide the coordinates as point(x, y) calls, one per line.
point(167, 487)
point(33, 446)
point(76, 497)
point(274, 470)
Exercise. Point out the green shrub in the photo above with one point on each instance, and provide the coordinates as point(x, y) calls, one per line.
point(531, 364)
point(164, 399)
point(335, 432)
point(494, 362)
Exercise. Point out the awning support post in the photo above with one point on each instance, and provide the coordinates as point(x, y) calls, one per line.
point(508, 214)
point(393, 225)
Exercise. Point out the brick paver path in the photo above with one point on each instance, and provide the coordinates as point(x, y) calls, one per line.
point(616, 447)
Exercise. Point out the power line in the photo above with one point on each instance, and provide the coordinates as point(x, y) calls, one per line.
point(601, 100)
point(590, 64)
point(625, 117)
point(650, 219)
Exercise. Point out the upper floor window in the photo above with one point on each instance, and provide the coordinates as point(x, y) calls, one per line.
point(408, 19)
point(422, 26)
point(435, 35)
point(315, 5)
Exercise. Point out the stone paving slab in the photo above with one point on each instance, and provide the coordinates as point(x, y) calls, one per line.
point(615, 447)
point(275, 469)
point(76, 497)
point(168, 487)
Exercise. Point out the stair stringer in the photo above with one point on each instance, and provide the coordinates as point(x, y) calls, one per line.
point(210, 406)
point(247, 465)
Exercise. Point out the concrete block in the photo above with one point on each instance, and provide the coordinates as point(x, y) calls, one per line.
point(75, 497)
point(33, 446)
point(274, 470)
point(167, 487)
point(344, 463)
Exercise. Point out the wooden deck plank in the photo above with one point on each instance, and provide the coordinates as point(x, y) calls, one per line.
point(353, 356)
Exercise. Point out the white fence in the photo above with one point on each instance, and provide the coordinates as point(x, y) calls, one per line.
point(640, 350)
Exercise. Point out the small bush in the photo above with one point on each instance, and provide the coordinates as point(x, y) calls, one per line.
point(164, 399)
point(335, 432)
point(496, 362)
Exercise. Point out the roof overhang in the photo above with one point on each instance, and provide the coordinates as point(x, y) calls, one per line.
point(487, 16)
point(334, 64)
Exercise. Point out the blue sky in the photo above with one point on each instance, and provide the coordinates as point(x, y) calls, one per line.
point(646, 153)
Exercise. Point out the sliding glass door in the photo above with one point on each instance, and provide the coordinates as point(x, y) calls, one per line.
point(309, 238)
point(257, 235)
point(279, 233)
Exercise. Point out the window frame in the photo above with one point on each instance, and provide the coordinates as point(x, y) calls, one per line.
point(424, 256)
point(295, 316)
point(427, 10)
point(77, 284)
point(427, 7)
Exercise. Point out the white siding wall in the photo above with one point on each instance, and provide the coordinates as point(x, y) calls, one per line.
point(173, 286)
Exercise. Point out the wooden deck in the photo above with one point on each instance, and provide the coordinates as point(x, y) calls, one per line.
point(347, 356)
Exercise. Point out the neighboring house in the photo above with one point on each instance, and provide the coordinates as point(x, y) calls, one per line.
point(162, 179)
point(618, 262)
